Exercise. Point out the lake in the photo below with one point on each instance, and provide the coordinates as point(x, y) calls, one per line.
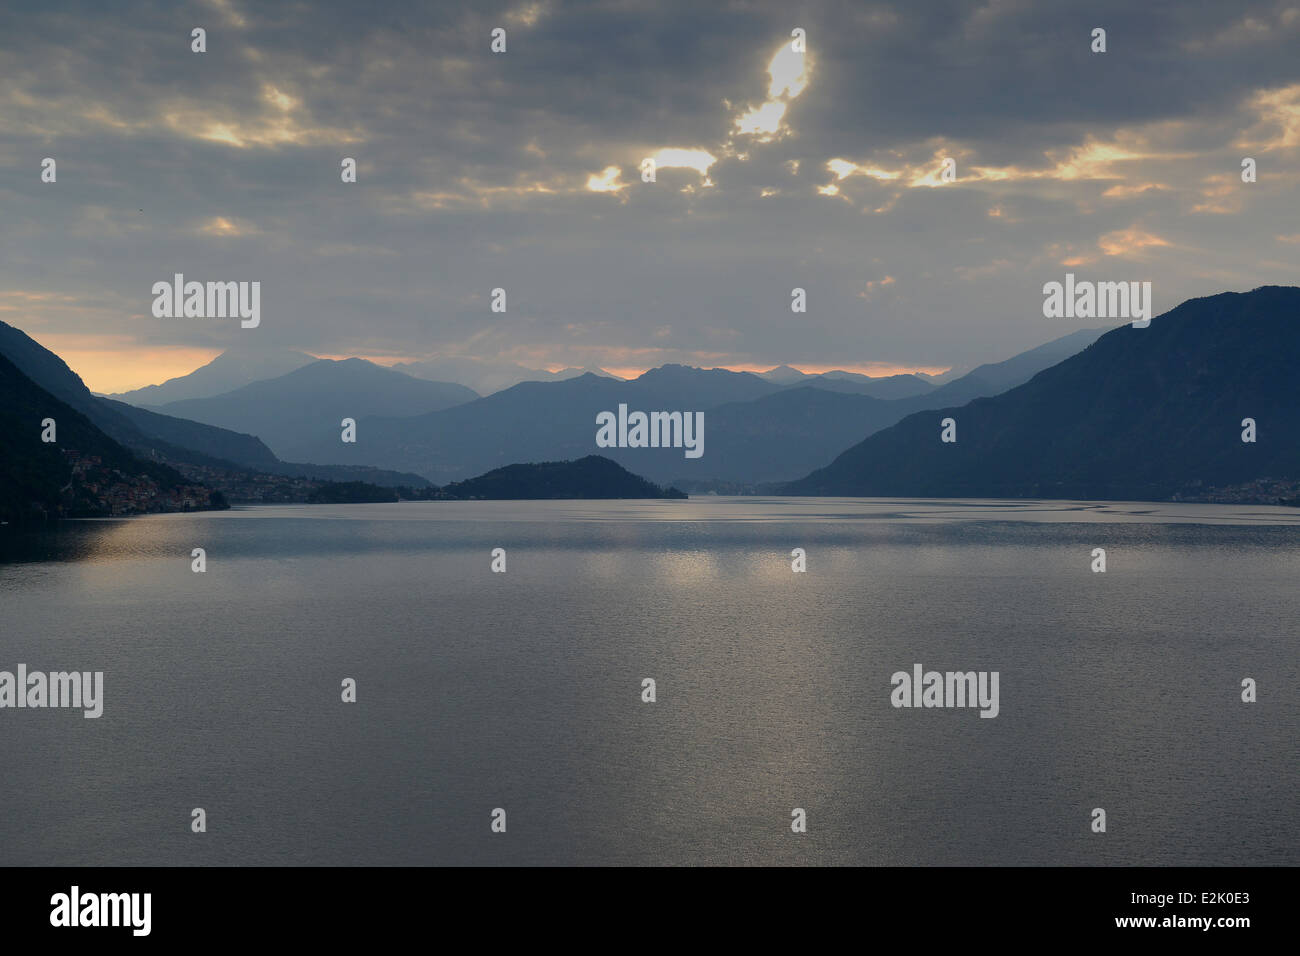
point(523, 690)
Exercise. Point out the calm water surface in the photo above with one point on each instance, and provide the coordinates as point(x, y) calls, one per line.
point(523, 690)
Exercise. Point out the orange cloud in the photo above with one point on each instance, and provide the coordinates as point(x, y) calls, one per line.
point(1126, 242)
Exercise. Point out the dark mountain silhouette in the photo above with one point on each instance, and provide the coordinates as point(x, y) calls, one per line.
point(178, 441)
point(755, 430)
point(1142, 414)
point(994, 378)
point(591, 477)
point(83, 472)
point(299, 414)
point(148, 433)
point(178, 435)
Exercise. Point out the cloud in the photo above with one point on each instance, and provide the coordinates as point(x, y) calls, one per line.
point(789, 72)
point(481, 170)
point(874, 286)
point(230, 228)
point(607, 180)
point(1129, 242)
point(699, 160)
point(1278, 120)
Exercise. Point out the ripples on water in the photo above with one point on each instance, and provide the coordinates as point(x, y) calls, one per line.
point(522, 690)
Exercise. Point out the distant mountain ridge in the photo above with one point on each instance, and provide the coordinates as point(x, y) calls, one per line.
point(230, 370)
point(300, 413)
point(412, 431)
point(485, 376)
point(148, 433)
point(755, 430)
point(155, 436)
point(886, 386)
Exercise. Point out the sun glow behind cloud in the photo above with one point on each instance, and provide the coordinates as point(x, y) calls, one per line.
point(789, 72)
point(761, 119)
point(608, 180)
point(697, 159)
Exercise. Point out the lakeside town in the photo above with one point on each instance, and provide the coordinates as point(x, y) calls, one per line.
point(96, 489)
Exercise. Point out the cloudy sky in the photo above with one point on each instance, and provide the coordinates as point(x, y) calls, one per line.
point(520, 170)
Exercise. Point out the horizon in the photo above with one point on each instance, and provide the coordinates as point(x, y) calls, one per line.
point(390, 361)
point(871, 370)
point(203, 358)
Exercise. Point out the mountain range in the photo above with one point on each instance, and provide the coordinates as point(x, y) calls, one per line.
point(147, 432)
point(890, 386)
point(56, 463)
point(1143, 413)
point(165, 438)
point(760, 428)
point(299, 413)
point(486, 377)
point(244, 365)
point(1130, 413)
point(756, 430)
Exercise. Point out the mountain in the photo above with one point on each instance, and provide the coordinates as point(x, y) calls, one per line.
point(783, 375)
point(996, 377)
point(215, 454)
point(230, 370)
point(1145, 414)
point(943, 378)
point(885, 386)
point(299, 414)
point(697, 388)
point(755, 430)
point(768, 439)
point(593, 477)
point(83, 473)
point(147, 433)
point(544, 421)
point(178, 438)
point(486, 377)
